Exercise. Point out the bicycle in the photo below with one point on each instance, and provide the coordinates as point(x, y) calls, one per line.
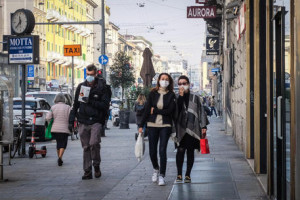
point(17, 141)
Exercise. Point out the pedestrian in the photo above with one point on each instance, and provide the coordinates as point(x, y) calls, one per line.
point(60, 112)
point(212, 106)
point(90, 109)
point(160, 107)
point(190, 127)
point(139, 108)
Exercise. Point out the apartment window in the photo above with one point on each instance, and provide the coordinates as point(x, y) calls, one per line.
point(83, 56)
point(51, 47)
point(48, 46)
point(47, 4)
point(56, 47)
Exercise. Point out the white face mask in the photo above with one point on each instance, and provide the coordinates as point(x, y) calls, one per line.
point(164, 83)
point(185, 87)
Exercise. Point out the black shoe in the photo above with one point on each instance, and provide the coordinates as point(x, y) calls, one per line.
point(87, 175)
point(179, 178)
point(97, 171)
point(60, 162)
point(187, 179)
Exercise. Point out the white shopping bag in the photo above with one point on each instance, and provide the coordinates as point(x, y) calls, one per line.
point(140, 147)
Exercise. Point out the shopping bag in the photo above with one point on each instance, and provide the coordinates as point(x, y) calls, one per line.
point(204, 146)
point(48, 130)
point(139, 147)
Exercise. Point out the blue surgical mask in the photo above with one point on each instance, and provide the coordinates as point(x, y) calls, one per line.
point(90, 78)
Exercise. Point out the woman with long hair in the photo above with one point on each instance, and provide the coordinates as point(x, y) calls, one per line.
point(190, 127)
point(158, 113)
point(139, 108)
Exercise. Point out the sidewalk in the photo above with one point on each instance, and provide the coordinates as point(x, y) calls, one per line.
point(223, 174)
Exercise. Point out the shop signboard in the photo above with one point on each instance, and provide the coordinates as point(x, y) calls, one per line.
point(201, 1)
point(212, 45)
point(205, 12)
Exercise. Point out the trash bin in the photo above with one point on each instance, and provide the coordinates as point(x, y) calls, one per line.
point(124, 119)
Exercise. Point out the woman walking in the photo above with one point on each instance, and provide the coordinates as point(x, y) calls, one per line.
point(60, 114)
point(158, 113)
point(190, 127)
point(139, 108)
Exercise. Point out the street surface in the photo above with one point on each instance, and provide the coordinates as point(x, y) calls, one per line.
point(223, 174)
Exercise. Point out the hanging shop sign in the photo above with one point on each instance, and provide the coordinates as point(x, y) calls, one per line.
point(201, 12)
point(201, 1)
point(212, 45)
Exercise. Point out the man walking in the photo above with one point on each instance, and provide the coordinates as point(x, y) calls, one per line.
point(90, 107)
point(212, 106)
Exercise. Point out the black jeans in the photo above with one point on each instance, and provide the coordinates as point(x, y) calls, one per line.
point(163, 135)
point(180, 160)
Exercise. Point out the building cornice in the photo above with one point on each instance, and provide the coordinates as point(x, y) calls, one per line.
point(92, 3)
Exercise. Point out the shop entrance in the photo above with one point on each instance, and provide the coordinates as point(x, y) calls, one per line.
point(281, 103)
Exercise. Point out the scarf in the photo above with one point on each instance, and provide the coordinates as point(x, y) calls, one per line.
point(191, 119)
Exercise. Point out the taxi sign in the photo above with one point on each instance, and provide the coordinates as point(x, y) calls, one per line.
point(72, 50)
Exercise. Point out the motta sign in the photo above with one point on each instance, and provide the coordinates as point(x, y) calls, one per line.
point(201, 12)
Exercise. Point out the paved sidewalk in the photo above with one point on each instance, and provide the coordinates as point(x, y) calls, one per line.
point(223, 174)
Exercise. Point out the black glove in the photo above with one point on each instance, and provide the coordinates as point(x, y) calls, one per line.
point(70, 127)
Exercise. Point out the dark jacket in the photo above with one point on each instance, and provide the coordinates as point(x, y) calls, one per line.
point(169, 101)
point(95, 110)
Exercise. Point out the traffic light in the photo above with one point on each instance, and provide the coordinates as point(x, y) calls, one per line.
point(99, 72)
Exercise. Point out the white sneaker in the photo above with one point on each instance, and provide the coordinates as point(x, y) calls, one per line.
point(154, 176)
point(161, 181)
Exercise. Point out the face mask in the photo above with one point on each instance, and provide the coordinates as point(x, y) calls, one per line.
point(164, 83)
point(90, 78)
point(186, 87)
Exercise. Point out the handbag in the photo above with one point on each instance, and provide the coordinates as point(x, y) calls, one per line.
point(139, 147)
point(48, 134)
point(204, 146)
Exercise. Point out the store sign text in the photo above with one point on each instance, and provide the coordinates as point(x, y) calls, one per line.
point(201, 12)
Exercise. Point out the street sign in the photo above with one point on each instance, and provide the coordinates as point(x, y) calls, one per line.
point(212, 45)
point(103, 59)
point(201, 12)
point(30, 72)
point(215, 69)
point(72, 50)
point(23, 49)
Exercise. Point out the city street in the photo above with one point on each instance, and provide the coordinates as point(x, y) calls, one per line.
point(222, 174)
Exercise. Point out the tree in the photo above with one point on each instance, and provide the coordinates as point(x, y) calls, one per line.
point(121, 72)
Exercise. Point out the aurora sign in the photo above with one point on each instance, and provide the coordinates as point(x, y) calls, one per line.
point(201, 12)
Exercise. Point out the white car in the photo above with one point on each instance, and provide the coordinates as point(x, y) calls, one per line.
point(42, 108)
point(49, 96)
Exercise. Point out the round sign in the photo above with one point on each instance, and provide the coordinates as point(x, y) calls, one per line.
point(103, 59)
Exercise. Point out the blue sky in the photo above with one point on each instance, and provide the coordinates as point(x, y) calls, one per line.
point(164, 24)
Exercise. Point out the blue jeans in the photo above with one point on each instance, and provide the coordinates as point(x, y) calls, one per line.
point(211, 111)
point(163, 135)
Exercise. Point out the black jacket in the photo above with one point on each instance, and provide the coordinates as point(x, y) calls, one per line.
point(95, 110)
point(169, 101)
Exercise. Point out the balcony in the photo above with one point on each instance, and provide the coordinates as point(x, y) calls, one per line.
point(52, 15)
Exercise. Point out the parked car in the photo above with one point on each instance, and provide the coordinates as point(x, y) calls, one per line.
point(42, 108)
point(49, 96)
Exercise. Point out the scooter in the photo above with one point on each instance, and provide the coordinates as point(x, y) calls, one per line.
point(115, 115)
point(32, 146)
